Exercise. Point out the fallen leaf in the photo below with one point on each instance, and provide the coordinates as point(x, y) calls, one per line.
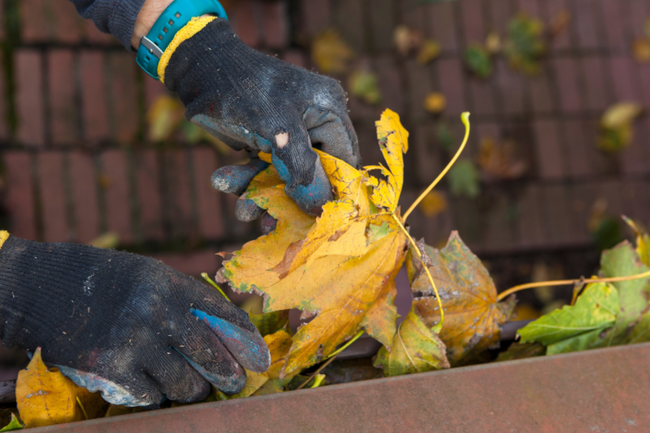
point(270, 323)
point(279, 344)
point(330, 53)
point(576, 327)
point(525, 46)
point(473, 317)
point(445, 137)
point(620, 115)
point(521, 351)
point(254, 381)
point(415, 349)
point(45, 396)
point(14, 424)
point(435, 102)
point(463, 179)
point(164, 117)
point(641, 50)
point(642, 241)
point(338, 268)
point(478, 60)
point(107, 240)
point(559, 22)
point(363, 84)
point(429, 51)
point(493, 43)
point(433, 204)
point(641, 331)
point(499, 161)
point(406, 40)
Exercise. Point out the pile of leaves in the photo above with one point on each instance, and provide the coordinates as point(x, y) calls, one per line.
point(339, 269)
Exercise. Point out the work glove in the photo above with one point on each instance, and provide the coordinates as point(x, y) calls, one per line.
point(123, 324)
point(258, 103)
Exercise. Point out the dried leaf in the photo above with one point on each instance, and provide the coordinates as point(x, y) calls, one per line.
point(415, 349)
point(576, 327)
point(429, 51)
point(330, 53)
point(46, 397)
point(641, 50)
point(433, 204)
point(559, 22)
point(464, 180)
point(478, 60)
point(620, 115)
point(406, 40)
point(340, 267)
point(493, 43)
point(473, 316)
point(363, 84)
point(525, 46)
point(164, 117)
point(435, 102)
point(499, 161)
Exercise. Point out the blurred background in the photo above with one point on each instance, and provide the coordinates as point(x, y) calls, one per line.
point(95, 151)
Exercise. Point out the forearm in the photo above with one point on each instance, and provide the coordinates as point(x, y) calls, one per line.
point(151, 10)
point(112, 16)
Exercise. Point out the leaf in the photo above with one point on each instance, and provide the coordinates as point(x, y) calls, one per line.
point(499, 160)
point(435, 102)
point(642, 241)
point(270, 323)
point(415, 349)
point(331, 54)
point(14, 424)
point(576, 327)
point(363, 84)
point(478, 60)
point(164, 117)
point(279, 345)
point(473, 316)
point(433, 204)
point(254, 381)
point(521, 351)
point(620, 115)
point(622, 261)
point(406, 40)
point(559, 22)
point(641, 331)
point(339, 268)
point(525, 45)
point(641, 50)
point(46, 397)
point(493, 43)
point(429, 51)
point(464, 180)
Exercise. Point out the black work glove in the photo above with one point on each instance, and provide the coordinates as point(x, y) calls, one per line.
point(256, 102)
point(124, 324)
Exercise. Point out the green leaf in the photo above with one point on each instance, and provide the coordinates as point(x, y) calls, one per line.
point(415, 349)
point(576, 327)
point(270, 323)
point(521, 351)
point(464, 179)
point(14, 424)
point(478, 60)
point(619, 262)
point(641, 331)
point(524, 45)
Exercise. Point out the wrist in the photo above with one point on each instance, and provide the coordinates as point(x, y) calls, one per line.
point(151, 10)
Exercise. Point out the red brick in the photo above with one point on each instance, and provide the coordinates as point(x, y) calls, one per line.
point(548, 149)
point(472, 16)
point(52, 194)
point(414, 16)
point(149, 200)
point(29, 98)
point(596, 93)
point(556, 208)
point(640, 195)
point(443, 25)
point(469, 221)
point(582, 197)
point(359, 110)
point(244, 22)
point(180, 211)
point(510, 89)
point(500, 13)
point(530, 230)
point(482, 97)
point(498, 230)
point(63, 110)
point(541, 91)
point(153, 89)
point(602, 163)
point(642, 72)
point(2, 19)
point(390, 83)
point(94, 36)
point(93, 96)
point(370, 153)
point(436, 229)
point(616, 26)
point(350, 19)
point(84, 194)
point(4, 126)
point(624, 83)
point(19, 197)
point(67, 23)
point(315, 16)
point(568, 84)
point(642, 130)
point(636, 19)
point(529, 7)
point(34, 26)
point(117, 195)
point(295, 57)
point(124, 91)
point(419, 86)
point(381, 25)
point(193, 263)
point(451, 81)
point(274, 22)
point(634, 159)
point(579, 151)
point(586, 18)
point(208, 203)
point(563, 40)
point(610, 190)
point(427, 153)
point(481, 130)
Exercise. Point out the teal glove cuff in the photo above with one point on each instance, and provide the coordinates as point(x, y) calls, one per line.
point(174, 18)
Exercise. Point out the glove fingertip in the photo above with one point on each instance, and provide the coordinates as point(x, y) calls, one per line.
point(246, 210)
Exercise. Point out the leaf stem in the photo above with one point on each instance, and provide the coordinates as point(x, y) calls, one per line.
point(83, 410)
point(465, 118)
point(331, 358)
point(520, 287)
point(213, 284)
point(438, 327)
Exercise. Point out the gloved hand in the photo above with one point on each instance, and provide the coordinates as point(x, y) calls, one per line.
point(124, 324)
point(256, 102)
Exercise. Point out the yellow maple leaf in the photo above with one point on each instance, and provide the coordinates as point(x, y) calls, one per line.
point(46, 397)
point(331, 54)
point(301, 263)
